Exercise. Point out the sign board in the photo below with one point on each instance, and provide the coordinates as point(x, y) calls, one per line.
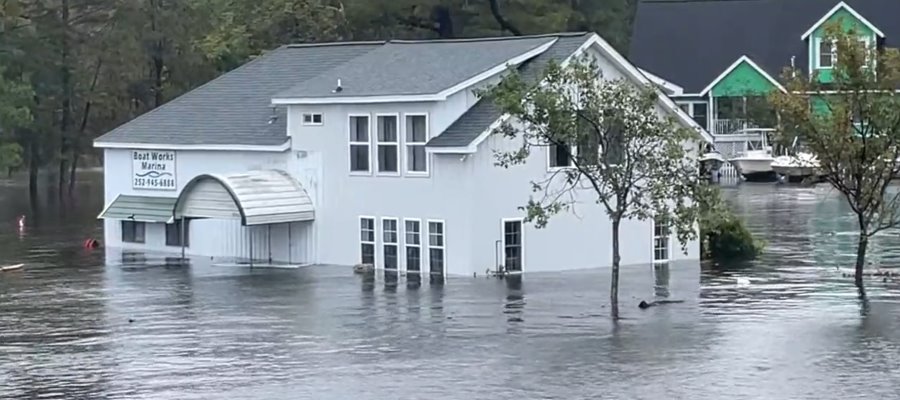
point(153, 170)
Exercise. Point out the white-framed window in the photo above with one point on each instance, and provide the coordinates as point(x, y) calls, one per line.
point(436, 246)
point(367, 240)
point(313, 119)
point(390, 243)
point(698, 111)
point(360, 139)
point(660, 239)
point(412, 229)
point(513, 244)
point(826, 53)
point(133, 231)
point(388, 144)
point(416, 137)
point(560, 156)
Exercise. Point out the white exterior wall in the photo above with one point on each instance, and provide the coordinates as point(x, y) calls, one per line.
point(207, 237)
point(320, 158)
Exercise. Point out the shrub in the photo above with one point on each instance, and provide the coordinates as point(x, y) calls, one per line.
point(723, 236)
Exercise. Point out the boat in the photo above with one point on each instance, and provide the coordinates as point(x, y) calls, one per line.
point(755, 164)
point(710, 163)
point(11, 267)
point(797, 168)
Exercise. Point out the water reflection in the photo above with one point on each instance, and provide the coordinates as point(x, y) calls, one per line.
point(78, 323)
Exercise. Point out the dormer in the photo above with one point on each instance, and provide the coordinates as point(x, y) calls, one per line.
point(822, 53)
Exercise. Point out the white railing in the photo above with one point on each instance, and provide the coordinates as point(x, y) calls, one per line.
point(729, 126)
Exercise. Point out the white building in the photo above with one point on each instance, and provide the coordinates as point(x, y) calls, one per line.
point(341, 153)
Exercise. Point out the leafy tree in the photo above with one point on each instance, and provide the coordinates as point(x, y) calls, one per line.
point(623, 154)
point(849, 119)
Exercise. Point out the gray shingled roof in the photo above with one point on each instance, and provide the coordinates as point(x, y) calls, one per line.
point(480, 117)
point(414, 67)
point(235, 108)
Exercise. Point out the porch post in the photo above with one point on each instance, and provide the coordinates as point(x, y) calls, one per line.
point(250, 235)
point(269, 241)
point(183, 239)
point(290, 243)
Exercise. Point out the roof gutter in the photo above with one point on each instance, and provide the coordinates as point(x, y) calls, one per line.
point(195, 147)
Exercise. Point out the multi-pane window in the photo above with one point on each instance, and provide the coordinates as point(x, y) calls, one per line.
point(313, 119)
point(388, 144)
point(436, 247)
point(367, 240)
point(133, 231)
point(359, 144)
point(416, 136)
point(512, 245)
point(827, 53)
point(699, 114)
point(390, 240)
point(660, 239)
point(413, 245)
point(174, 233)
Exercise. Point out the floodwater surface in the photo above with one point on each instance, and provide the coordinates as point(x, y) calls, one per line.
point(76, 324)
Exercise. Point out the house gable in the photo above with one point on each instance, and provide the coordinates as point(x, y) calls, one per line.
point(850, 21)
point(742, 78)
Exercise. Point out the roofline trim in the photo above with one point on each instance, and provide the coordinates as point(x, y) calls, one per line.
point(630, 69)
point(848, 9)
point(676, 90)
point(734, 65)
point(200, 147)
point(440, 96)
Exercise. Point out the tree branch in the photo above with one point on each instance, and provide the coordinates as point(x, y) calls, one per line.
point(504, 24)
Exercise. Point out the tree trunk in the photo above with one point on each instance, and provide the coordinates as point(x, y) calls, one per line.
point(73, 168)
point(861, 259)
point(66, 74)
point(614, 285)
point(33, 168)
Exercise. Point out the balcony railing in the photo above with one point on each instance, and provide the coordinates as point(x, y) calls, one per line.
point(731, 126)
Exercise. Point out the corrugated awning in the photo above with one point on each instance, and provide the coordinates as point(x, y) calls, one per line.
point(256, 198)
point(140, 208)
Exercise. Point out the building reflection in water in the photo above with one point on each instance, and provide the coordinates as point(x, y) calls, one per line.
point(661, 280)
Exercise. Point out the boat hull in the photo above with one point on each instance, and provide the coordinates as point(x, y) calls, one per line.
point(755, 169)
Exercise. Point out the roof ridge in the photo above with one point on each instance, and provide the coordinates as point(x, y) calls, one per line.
point(490, 38)
point(325, 44)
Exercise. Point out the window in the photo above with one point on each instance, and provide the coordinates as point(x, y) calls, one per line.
point(560, 156)
point(389, 238)
point(313, 119)
point(660, 239)
point(413, 244)
point(173, 233)
point(699, 113)
point(388, 144)
point(436, 247)
point(827, 53)
point(359, 144)
point(512, 245)
point(133, 231)
point(367, 240)
point(416, 136)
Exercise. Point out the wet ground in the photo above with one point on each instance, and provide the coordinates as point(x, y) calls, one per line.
point(74, 324)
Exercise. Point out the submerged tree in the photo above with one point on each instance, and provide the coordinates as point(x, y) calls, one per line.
point(849, 117)
point(617, 150)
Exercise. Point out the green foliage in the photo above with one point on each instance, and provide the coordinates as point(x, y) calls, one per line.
point(637, 168)
point(852, 124)
point(723, 236)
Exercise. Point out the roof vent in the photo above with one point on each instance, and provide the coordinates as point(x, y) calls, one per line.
point(339, 88)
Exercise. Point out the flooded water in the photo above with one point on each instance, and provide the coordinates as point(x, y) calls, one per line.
point(76, 325)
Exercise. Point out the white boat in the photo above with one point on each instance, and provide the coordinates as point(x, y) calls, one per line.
point(797, 167)
point(755, 163)
point(711, 163)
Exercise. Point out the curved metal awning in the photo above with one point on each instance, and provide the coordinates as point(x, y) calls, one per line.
point(256, 198)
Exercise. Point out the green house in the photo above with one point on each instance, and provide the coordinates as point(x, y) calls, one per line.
point(719, 59)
